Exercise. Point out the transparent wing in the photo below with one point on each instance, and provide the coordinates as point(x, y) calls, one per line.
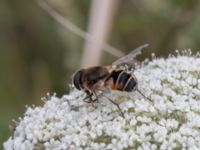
point(130, 57)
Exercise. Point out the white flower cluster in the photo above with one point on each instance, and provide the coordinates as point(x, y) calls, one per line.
point(170, 121)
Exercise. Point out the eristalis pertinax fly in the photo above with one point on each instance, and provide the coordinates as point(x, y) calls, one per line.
point(105, 78)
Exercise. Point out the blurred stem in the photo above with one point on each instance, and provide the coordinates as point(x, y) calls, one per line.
point(76, 30)
point(101, 16)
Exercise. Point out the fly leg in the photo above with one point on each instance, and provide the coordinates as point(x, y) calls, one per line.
point(88, 98)
point(117, 105)
point(96, 96)
point(144, 95)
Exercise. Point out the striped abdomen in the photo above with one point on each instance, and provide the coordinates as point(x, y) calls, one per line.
point(121, 80)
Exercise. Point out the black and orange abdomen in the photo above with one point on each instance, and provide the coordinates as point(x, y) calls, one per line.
point(122, 80)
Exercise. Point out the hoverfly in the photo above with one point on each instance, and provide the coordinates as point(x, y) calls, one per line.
point(112, 77)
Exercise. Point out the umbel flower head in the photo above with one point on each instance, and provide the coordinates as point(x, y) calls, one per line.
point(170, 121)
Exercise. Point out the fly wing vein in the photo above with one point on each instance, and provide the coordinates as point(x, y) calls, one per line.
point(130, 57)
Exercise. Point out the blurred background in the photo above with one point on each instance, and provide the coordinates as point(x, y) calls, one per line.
point(39, 55)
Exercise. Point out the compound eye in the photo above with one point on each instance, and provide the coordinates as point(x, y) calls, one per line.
point(77, 80)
